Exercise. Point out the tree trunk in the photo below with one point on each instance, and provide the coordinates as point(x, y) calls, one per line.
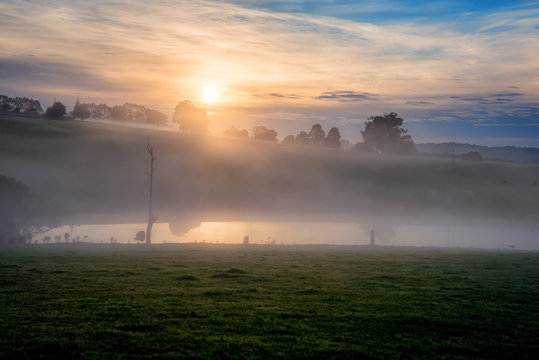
point(149, 230)
point(151, 217)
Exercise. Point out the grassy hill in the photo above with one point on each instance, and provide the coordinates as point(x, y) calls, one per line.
point(89, 168)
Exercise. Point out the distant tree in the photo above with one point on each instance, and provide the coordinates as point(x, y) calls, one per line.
point(22, 214)
point(263, 133)
point(302, 138)
point(117, 112)
point(316, 135)
point(383, 134)
point(140, 236)
point(361, 146)
point(233, 132)
point(190, 118)
point(155, 117)
point(333, 139)
point(472, 156)
point(20, 104)
point(81, 111)
point(290, 139)
point(56, 111)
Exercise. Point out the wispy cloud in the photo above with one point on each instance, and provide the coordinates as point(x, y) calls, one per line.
point(346, 96)
point(419, 103)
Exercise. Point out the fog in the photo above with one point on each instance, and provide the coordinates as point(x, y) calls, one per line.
point(95, 174)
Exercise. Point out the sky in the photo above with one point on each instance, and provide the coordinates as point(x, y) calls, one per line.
point(463, 71)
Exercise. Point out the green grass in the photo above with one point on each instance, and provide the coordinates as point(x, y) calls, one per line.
point(261, 302)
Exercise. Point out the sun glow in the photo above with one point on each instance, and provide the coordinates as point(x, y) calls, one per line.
point(209, 95)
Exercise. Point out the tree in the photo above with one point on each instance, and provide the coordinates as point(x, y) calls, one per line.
point(289, 140)
point(472, 156)
point(316, 135)
point(117, 112)
point(155, 117)
point(22, 214)
point(333, 139)
point(302, 138)
point(56, 111)
point(140, 236)
point(263, 133)
point(233, 132)
point(190, 118)
point(81, 111)
point(383, 134)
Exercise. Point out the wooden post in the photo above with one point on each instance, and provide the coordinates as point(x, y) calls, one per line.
point(151, 217)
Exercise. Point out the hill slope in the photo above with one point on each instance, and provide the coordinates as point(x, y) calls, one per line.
point(90, 168)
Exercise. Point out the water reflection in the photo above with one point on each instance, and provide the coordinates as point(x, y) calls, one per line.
point(304, 232)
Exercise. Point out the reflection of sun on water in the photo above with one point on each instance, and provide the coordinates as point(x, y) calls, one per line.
point(210, 95)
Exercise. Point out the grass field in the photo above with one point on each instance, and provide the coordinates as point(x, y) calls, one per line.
point(231, 302)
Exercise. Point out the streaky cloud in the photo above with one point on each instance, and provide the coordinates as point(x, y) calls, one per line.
point(346, 96)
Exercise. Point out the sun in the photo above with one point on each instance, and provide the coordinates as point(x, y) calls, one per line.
point(209, 95)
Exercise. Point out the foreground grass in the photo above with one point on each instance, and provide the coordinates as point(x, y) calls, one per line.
point(229, 302)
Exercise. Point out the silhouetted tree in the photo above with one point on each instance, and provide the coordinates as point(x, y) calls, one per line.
point(316, 135)
point(289, 140)
point(263, 133)
point(472, 156)
point(233, 132)
point(155, 117)
point(81, 111)
point(117, 113)
point(302, 138)
point(333, 139)
point(22, 214)
point(20, 104)
point(140, 236)
point(190, 118)
point(56, 111)
point(383, 134)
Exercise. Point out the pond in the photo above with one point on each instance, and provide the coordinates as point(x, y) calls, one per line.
point(450, 233)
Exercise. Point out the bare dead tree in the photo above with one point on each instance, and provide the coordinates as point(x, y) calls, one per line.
point(151, 217)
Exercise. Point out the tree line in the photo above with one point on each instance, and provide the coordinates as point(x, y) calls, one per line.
point(20, 105)
point(126, 112)
point(382, 133)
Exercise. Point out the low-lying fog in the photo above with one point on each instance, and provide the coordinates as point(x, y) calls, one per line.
point(94, 174)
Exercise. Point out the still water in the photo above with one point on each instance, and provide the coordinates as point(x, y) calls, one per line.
point(299, 233)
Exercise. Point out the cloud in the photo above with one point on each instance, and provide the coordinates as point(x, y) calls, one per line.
point(346, 96)
point(489, 99)
point(261, 56)
point(25, 72)
point(419, 103)
point(285, 96)
point(506, 94)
